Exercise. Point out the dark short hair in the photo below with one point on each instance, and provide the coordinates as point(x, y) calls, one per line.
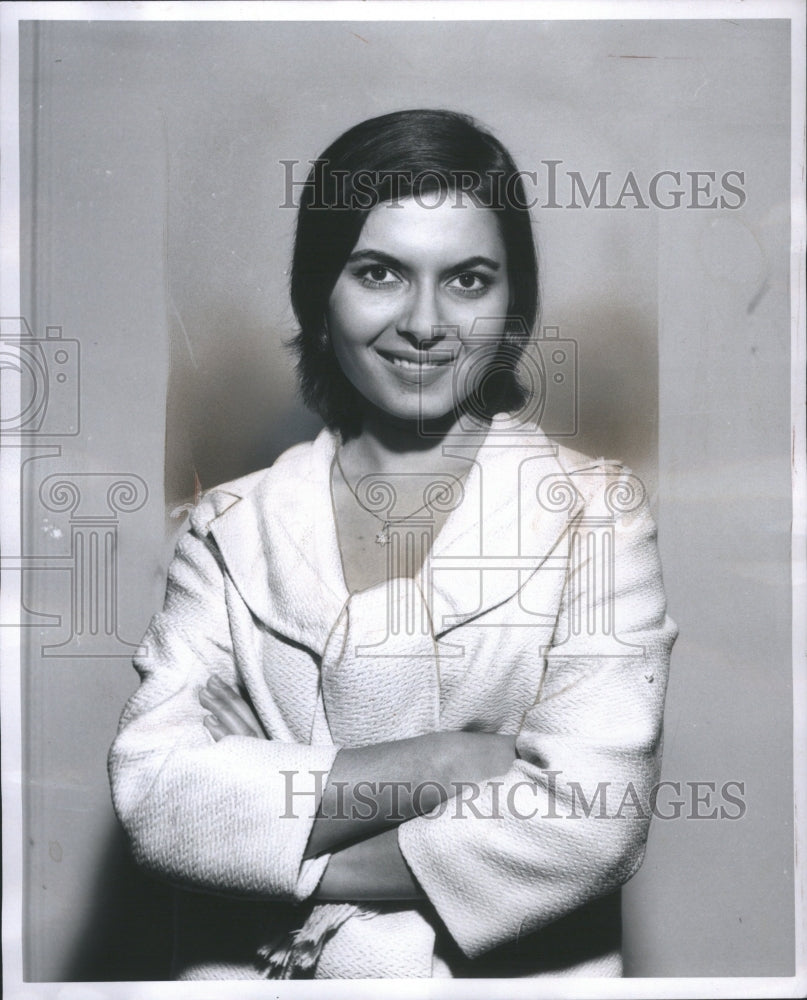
point(396, 156)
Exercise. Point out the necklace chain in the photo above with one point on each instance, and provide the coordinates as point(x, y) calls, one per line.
point(382, 538)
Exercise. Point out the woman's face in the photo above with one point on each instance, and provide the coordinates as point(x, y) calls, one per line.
point(401, 314)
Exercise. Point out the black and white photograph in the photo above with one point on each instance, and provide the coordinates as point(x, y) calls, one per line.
point(402, 441)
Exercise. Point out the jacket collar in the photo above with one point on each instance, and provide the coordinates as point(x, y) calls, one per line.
point(276, 534)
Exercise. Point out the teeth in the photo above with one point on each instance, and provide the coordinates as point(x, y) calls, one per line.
point(405, 363)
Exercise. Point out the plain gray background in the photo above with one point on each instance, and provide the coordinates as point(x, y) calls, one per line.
point(152, 234)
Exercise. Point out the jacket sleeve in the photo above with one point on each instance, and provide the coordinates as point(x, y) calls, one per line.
point(215, 816)
point(568, 821)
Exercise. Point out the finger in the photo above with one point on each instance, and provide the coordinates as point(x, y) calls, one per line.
point(212, 726)
point(227, 718)
point(235, 700)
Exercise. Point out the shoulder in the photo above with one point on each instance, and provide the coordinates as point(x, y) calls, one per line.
point(606, 486)
point(290, 471)
point(524, 435)
point(589, 473)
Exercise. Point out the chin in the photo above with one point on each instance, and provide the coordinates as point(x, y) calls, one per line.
point(420, 411)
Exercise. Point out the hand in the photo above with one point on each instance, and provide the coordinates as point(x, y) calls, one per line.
point(231, 715)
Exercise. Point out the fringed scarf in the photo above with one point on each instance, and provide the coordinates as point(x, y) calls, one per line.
point(294, 954)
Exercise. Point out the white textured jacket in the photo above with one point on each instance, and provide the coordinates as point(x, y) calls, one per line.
point(539, 611)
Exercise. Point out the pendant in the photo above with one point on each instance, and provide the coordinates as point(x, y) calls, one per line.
point(382, 538)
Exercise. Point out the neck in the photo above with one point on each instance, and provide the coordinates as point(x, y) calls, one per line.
point(387, 445)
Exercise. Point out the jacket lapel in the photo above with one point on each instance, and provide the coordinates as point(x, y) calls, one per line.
point(276, 534)
point(518, 505)
point(278, 542)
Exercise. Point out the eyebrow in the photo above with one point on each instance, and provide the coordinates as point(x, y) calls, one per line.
point(389, 261)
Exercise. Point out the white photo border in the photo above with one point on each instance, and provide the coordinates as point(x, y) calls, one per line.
point(10, 683)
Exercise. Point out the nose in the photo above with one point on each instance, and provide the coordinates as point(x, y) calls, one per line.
point(420, 319)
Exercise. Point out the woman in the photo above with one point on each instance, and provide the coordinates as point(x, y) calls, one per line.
point(401, 712)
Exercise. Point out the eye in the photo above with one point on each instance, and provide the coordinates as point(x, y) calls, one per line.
point(377, 276)
point(470, 283)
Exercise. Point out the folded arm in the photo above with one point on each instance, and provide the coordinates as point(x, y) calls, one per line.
point(567, 822)
point(369, 791)
point(246, 815)
point(218, 815)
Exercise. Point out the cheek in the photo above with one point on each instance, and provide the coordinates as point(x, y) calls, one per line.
point(338, 309)
point(483, 330)
point(353, 318)
point(351, 330)
point(486, 314)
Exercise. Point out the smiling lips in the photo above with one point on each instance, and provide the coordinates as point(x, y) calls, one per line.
point(416, 362)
